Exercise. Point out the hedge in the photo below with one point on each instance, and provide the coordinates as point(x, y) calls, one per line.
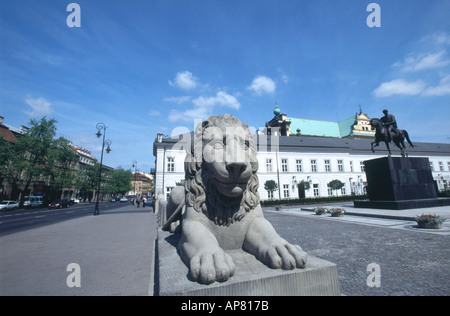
point(317, 200)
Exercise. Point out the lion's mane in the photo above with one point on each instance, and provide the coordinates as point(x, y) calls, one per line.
point(204, 197)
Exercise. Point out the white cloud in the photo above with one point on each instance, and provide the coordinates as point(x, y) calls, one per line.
point(418, 87)
point(424, 61)
point(442, 89)
point(39, 107)
point(399, 87)
point(221, 99)
point(439, 38)
point(153, 112)
point(262, 85)
point(189, 115)
point(204, 107)
point(178, 100)
point(184, 80)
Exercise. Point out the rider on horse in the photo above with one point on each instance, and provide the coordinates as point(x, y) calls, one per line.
point(390, 123)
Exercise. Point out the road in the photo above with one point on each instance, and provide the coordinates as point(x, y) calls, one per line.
point(23, 219)
point(114, 250)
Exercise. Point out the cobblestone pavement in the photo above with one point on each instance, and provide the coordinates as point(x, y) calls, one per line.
point(412, 261)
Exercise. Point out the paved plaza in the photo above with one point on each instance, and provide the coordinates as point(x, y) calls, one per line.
point(114, 252)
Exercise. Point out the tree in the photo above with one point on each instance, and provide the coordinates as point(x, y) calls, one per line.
point(37, 157)
point(87, 180)
point(119, 181)
point(33, 154)
point(335, 185)
point(270, 186)
point(8, 159)
point(63, 173)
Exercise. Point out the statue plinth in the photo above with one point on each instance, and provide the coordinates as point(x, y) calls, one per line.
point(252, 278)
point(400, 183)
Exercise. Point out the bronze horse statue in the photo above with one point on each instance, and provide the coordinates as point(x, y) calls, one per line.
point(397, 137)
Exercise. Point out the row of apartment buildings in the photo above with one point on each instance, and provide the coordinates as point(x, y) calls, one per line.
point(40, 186)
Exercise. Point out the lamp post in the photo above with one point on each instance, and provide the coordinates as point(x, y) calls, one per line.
point(135, 174)
point(101, 126)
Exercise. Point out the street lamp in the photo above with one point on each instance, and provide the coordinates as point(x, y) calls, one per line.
point(107, 142)
point(135, 174)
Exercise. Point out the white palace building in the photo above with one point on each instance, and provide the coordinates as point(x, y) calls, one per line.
point(291, 150)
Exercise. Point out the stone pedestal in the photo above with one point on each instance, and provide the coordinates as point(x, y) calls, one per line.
point(252, 278)
point(400, 183)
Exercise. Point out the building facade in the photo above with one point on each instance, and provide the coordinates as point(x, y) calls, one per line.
point(292, 158)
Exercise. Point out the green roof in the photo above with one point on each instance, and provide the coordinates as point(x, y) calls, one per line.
point(322, 128)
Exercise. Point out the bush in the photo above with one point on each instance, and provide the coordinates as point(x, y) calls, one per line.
point(320, 210)
point(317, 200)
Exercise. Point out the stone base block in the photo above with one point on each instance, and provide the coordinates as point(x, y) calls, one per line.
point(252, 278)
point(399, 178)
point(402, 205)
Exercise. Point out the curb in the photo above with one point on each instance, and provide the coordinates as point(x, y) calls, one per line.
point(405, 218)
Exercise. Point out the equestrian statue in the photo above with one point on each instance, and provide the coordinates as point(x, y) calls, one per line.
point(387, 131)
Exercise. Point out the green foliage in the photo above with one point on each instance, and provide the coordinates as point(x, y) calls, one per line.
point(336, 185)
point(317, 200)
point(430, 219)
point(118, 181)
point(270, 186)
point(302, 187)
point(38, 156)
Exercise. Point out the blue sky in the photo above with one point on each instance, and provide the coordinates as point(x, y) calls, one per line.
point(144, 67)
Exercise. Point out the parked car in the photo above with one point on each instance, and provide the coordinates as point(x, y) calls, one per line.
point(8, 205)
point(123, 199)
point(33, 201)
point(74, 201)
point(58, 204)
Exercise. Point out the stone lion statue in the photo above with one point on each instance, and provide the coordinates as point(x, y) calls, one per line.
point(221, 207)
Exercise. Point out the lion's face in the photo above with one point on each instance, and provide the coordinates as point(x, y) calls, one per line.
point(227, 164)
point(221, 170)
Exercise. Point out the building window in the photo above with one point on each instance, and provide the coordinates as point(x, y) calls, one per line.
point(286, 191)
point(448, 165)
point(284, 165)
point(363, 169)
point(313, 165)
point(441, 166)
point(327, 166)
point(270, 194)
point(351, 166)
point(316, 189)
point(299, 164)
point(170, 164)
point(343, 191)
point(168, 190)
point(431, 166)
point(340, 165)
point(269, 165)
point(330, 191)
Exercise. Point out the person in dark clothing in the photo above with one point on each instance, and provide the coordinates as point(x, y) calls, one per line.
point(389, 122)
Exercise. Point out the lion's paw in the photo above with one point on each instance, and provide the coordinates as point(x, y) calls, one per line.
point(284, 255)
point(209, 267)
